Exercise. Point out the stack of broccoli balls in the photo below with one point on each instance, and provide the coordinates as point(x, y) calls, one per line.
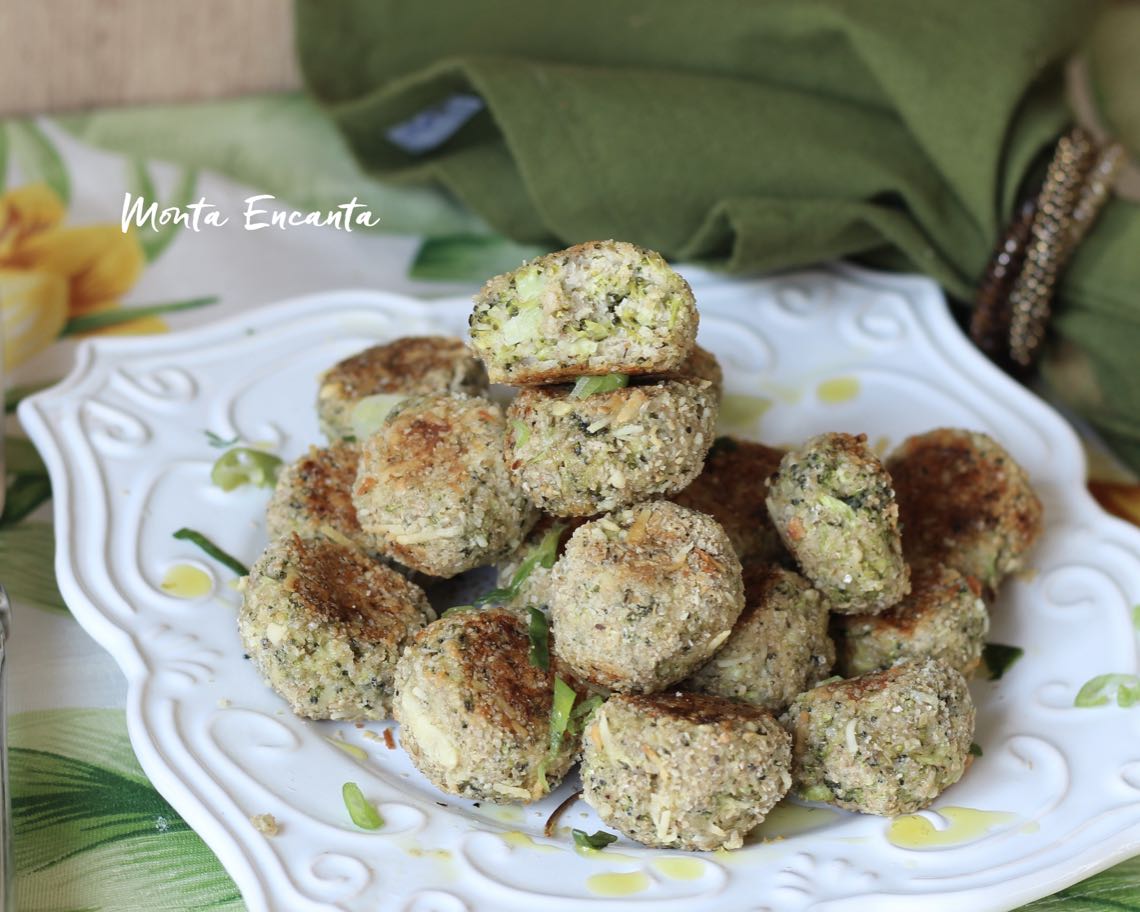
point(672, 606)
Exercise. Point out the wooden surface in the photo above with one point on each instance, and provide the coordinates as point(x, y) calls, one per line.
point(60, 55)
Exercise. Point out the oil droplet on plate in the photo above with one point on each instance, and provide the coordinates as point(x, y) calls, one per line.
point(739, 410)
point(787, 819)
point(680, 868)
point(187, 581)
point(504, 812)
point(618, 884)
point(518, 840)
point(437, 854)
point(838, 389)
point(603, 854)
point(963, 825)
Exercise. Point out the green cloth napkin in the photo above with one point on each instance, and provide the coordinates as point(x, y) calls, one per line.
point(761, 135)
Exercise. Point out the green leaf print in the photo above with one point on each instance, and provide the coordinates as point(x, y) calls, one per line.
point(27, 554)
point(1114, 890)
point(104, 318)
point(155, 240)
point(468, 256)
point(90, 830)
point(27, 483)
point(37, 158)
point(14, 395)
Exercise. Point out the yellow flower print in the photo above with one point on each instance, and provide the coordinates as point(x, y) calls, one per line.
point(50, 273)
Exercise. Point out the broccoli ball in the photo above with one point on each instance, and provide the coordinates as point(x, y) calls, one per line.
point(944, 617)
point(684, 771)
point(597, 308)
point(780, 646)
point(642, 597)
point(965, 503)
point(324, 626)
point(411, 366)
point(700, 365)
point(732, 489)
point(583, 456)
point(544, 545)
point(475, 713)
point(313, 496)
point(832, 503)
point(889, 742)
point(432, 486)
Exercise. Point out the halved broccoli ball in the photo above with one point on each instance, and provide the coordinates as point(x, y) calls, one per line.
point(778, 648)
point(889, 742)
point(409, 366)
point(313, 496)
point(432, 486)
point(684, 771)
point(964, 502)
point(642, 597)
point(944, 617)
point(583, 456)
point(732, 488)
point(833, 505)
point(475, 713)
point(324, 625)
point(597, 308)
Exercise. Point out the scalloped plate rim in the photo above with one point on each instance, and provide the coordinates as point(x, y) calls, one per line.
point(234, 854)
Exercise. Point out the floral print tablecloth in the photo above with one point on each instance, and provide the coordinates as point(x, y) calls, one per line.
point(91, 833)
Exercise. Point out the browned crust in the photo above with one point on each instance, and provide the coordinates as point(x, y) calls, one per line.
point(491, 650)
point(932, 586)
point(388, 368)
point(339, 586)
point(322, 483)
point(949, 489)
point(862, 686)
point(701, 364)
point(419, 441)
point(529, 376)
point(759, 580)
point(693, 708)
point(732, 487)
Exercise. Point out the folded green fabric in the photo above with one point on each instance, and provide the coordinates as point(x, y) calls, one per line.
point(761, 135)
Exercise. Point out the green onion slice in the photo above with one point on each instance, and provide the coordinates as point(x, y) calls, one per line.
point(539, 634)
point(975, 749)
point(368, 414)
point(581, 714)
point(363, 813)
point(243, 465)
point(564, 697)
point(560, 716)
point(585, 387)
point(219, 442)
point(522, 432)
point(596, 841)
point(1097, 692)
point(542, 555)
point(1000, 658)
point(356, 753)
point(213, 550)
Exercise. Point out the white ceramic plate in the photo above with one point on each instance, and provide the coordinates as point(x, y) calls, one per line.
point(837, 350)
